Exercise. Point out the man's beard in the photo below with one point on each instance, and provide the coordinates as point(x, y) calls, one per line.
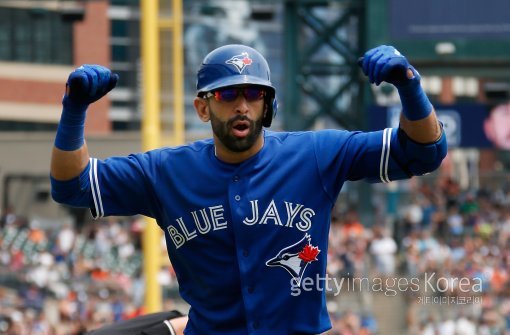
point(223, 132)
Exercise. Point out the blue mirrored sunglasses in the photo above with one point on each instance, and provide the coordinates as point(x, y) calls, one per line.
point(231, 94)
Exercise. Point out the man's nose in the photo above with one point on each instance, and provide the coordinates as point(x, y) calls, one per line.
point(242, 106)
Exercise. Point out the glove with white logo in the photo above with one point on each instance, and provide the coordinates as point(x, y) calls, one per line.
point(89, 83)
point(385, 63)
point(85, 85)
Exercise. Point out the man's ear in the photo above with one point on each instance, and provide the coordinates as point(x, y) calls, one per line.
point(202, 109)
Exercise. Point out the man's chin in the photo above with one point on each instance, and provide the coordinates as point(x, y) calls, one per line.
point(240, 147)
point(236, 144)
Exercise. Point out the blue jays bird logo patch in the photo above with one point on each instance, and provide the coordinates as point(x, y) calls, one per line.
point(240, 61)
point(295, 258)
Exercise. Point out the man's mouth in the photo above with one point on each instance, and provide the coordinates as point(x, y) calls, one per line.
point(241, 128)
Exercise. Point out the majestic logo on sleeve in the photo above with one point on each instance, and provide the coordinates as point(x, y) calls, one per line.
point(240, 61)
point(295, 258)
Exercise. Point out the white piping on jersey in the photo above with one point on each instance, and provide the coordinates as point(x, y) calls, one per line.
point(385, 156)
point(96, 193)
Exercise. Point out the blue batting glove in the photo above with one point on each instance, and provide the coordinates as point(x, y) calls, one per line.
point(89, 83)
point(385, 63)
point(85, 85)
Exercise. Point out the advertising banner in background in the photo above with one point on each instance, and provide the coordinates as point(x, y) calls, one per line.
point(466, 125)
point(439, 19)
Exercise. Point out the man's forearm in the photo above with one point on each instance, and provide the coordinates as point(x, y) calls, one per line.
point(84, 86)
point(66, 165)
point(427, 130)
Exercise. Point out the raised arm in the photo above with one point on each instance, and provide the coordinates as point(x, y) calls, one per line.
point(418, 119)
point(85, 85)
point(419, 145)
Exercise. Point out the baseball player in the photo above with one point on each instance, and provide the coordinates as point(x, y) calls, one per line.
point(246, 213)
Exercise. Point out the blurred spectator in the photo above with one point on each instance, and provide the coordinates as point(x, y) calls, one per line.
point(465, 326)
point(383, 249)
point(351, 226)
point(446, 327)
point(65, 239)
point(412, 216)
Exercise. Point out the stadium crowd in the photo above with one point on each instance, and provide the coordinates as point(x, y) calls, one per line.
point(453, 246)
point(64, 280)
point(73, 278)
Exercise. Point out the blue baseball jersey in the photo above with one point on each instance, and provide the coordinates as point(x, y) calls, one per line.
point(244, 237)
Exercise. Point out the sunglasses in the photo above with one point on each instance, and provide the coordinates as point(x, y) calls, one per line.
point(231, 94)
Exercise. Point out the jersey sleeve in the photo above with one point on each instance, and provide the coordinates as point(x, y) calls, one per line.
point(123, 185)
point(373, 156)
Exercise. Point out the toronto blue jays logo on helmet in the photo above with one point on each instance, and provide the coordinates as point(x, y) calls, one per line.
point(295, 258)
point(240, 61)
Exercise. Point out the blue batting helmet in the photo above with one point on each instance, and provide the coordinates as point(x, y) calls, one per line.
point(237, 64)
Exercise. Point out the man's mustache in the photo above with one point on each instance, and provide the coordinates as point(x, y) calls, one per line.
point(239, 118)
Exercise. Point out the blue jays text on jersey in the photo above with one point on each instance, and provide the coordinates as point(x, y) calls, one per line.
point(237, 234)
point(213, 218)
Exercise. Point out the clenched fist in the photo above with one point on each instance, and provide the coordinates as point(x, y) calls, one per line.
point(385, 63)
point(89, 83)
